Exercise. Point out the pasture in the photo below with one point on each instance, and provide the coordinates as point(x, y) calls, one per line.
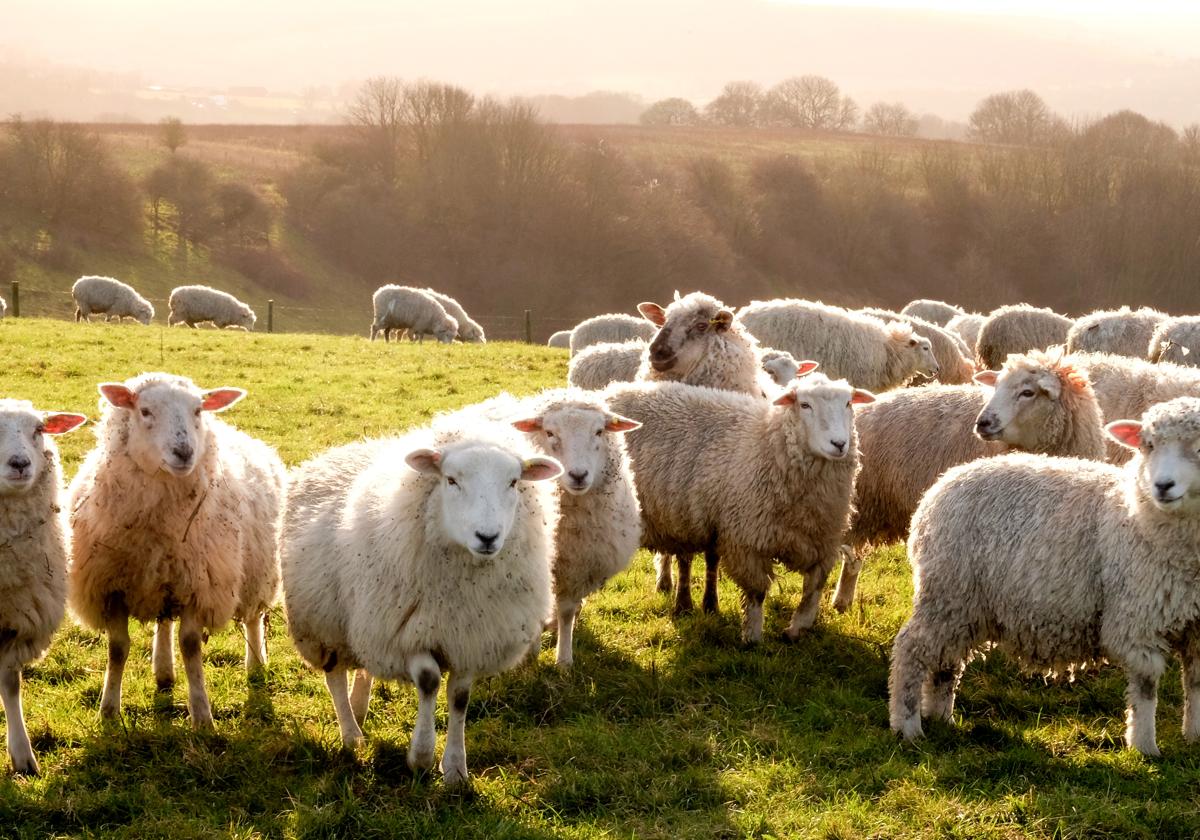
point(666, 727)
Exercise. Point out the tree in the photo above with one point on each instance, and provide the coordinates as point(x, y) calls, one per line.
point(172, 133)
point(378, 113)
point(1017, 117)
point(811, 102)
point(739, 104)
point(1128, 134)
point(674, 111)
point(891, 119)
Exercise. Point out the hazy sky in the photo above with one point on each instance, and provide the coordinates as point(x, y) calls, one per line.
point(1085, 58)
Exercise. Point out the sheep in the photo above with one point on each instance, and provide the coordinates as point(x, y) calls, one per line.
point(864, 350)
point(600, 364)
point(3, 307)
point(111, 298)
point(609, 328)
point(967, 327)
point(33, 554)
point(1061, 562)
point(193, 305)
point(560, 339)
point(954, 357)
point(762, 480)
point(402, 573)
point(1120, 331)
point(468, 329)
point(1018, 329)
point(174, 515)
point(403, 307)
point(1176, 340)
point(1040, 402)
point(935, 312)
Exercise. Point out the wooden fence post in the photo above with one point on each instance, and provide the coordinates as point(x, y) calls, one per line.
point(270, 316)
point(16, 299)
point(528, 326)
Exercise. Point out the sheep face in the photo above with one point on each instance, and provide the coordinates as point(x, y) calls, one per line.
point(165, 425)
point(575, 436)
point(781, 366)
point(144, 312)
point(1022, 404)
point(23, 452)
point(916, 348)
point(686, 331)
point(1168, 445)
point(246, 319)
point(476, 496)
point(446, 331)
point(824, 411)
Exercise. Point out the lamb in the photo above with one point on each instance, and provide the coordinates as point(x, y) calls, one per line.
point(111, 298)
point(1120, 331)
point(1040, 402)
point(1018, 329)
point(193, 305)
point(954, 358)
point(1176, 340)
point(455, 557)
point(403, 307)
point(609, 328)
point(967, 328)
point(174, 516)
point(934, 311)
point(468, 329)
point(761, 480)
point(33, 554)
point(1061, 562)
point(601, 364)
point(561, 339)
point(782, 366)
point(864, 350)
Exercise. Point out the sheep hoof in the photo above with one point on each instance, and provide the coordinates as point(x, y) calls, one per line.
point(788, 637)
point(165, 686)
point(709, 605)
point(26, 767)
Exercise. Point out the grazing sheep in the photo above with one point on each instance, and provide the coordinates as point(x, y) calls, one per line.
point(174, 515)
point(468, 329)
point(193, 305)
point(111, 298)
point(1062, 563)
point(1018, 329)
point(33, 554)
point(967, 327)
point(761, 480)
point(934, 311)
point(1176, 340)
point(614, 328)
point(908, 438)
point(406, 573)
point(561, 339)
point(3, 307)
point(1120, 331)
point(406, 308)
point(859, 348)
point(954, 358)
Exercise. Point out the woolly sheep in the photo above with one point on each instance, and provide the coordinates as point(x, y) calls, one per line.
point(1018, 329)
point(954, 358)
point(609, 328)
point(908, 438)
point(561, 339)
point(1120, 331)
point(468, 329)
point(111, 298)
point(1061, 562)
point(33, 554)
point(934, 311)
point(761, 481)
point(859, 348)
point(403, 307)
point(193, 305)
point(601, 364)
point(967, 327)
point(174, 515)
point(1176, 340)
point(405, 573)
point(3, 307)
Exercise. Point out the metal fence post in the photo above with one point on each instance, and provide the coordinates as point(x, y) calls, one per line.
point(270, 316)
point(528, 326)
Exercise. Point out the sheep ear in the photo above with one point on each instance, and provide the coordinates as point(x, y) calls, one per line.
point(59, 423)
point(220, 399)
point(722, 320)
point(806, 367)
point(1125, 432)
point(786, 398)
point(1051, 385)
point(540, 469)
point(529, 424)
point(617, 423)
point(987, 377)
point(118, 395)
point(428, 461)
point(653, 313)
point(861, 397)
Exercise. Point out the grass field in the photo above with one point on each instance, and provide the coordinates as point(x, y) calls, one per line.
point(665, 728)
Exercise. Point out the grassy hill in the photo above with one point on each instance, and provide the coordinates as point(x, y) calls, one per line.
point(666, 728)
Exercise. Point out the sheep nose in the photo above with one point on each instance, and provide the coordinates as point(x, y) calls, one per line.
point(839, 445)
point(983, 423)
point(19, 463)
point(1164, 487)
point(183, 453)
point(486, 541)
point(578, 475)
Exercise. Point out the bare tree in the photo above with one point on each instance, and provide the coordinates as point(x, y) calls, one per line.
point(172, 133)
point(739, 104)
point(811, 102)
point(674, 111)
point(430, 109)
point(378, 113)
point(891, 119)
point(1017, 117)
point(1128, 134)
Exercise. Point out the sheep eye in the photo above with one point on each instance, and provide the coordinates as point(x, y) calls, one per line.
point(599, 432)
point(38, 430)
point(146, 412)
point(549, 433)
point(805, 405)
point(1149, 446)
point(701, 326)
point(1027, 393)
point(451, 481)
point(512, 483)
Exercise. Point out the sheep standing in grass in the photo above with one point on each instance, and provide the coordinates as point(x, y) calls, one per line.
point(560, 339)
point(907, 439)
point(859, 348)
point(609, 329)
point(954, 358)
point(967, 328)
point(33, 554)
point(3, 307)
point(406, 573)
point(1120, 331)
point(1175, 340)
point(934, 311)
point(406, 308)
point(193, 305)
point(111, 298)
point(1018, 329)
point(174, 515)
point(761, 481)
point(1061, 562)
point(468, 329)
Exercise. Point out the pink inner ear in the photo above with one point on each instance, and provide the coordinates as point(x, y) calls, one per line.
point(786, 398)
point(653, 313)
point(862, 397)
point(529, 424)
point(540, 469)
point(807, 366)
point(221, 398)
point(617, 423)
point(1126, 432)
point(118, 395)
point(60, 424)
point(986, 377)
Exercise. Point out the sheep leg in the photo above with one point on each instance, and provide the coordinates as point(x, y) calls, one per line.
point(568, 611)
point(164, 656)
point(360, 695)
point(117, 626)
point(191, 644)
point(683, 591)
point(937, 693)
point(1190, 658)
point(454, 757)
point(335, 682)
point(256, 645)
point(711, 560)
point(905, 679)
point(662, 567)
point(805, 615)
point(1141, 701)
point(19, 748)
point(843, 596)
point(425, 674)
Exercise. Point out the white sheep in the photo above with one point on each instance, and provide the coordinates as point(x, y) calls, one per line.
point(406, 308)
point(468, 330)
point(560, 339)
point(967, 328)
point(601, 364)
point(1176, 340)
point(193, 305)
point(111, 298)
point(1062, 563)
point(954, 358)
point(1121, 331)
point(3, 307)
point(33, 554)
point(174, 514)
point(761, 481)
point(611, 328)
point(935, 312)
point(849, 345)
point(1018, 329)
point(403, 574)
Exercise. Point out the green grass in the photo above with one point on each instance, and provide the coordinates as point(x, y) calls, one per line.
point(666, 728)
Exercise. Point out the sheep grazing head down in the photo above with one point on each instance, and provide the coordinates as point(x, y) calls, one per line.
point(446, 331)
point(23, 452)
point(685, 330)
point(477, 491)
point(164, 419)
point(143, 312)
point(1167, 441)
point(575, 434)
point(825, 410)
